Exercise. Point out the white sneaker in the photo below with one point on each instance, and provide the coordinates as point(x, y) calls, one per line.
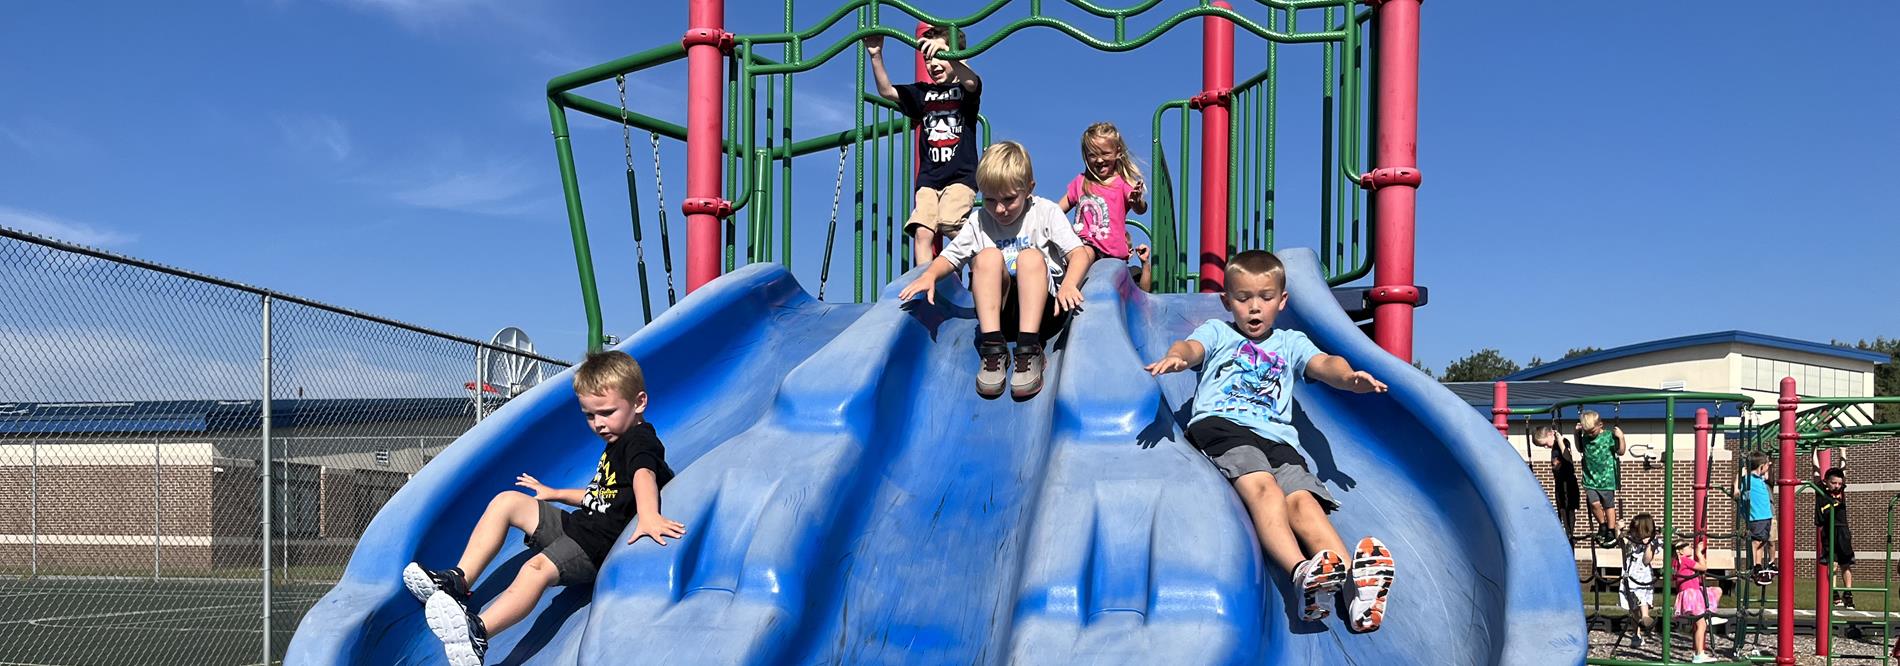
point(1703, 658)
point(1372, 573)
point(1318, 580)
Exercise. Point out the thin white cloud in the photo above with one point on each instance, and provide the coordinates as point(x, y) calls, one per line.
point(321, 134)
point(490, 188)
point(43, 138)
point(62, 229)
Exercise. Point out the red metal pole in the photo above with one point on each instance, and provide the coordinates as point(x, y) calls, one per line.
point(1701, 472)
point(1784, 588)
point(1501, 410)
point(1395, 177)
point(1217, 83)
point(705, 97)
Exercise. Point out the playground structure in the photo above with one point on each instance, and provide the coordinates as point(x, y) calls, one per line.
point(1803, 425)
point(832, 469)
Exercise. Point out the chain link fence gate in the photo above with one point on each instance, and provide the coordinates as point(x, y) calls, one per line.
point(139, 520)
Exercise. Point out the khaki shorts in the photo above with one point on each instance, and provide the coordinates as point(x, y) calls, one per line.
point(941, 211)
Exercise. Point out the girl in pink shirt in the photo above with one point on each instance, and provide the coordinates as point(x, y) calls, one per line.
point(1693, 601)
point(1105, 191)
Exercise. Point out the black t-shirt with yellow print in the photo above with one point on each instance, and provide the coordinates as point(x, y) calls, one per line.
point(608, 505)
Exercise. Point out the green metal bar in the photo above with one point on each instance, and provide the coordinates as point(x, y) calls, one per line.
point(857, 156)
point(1669, 522)
point(1184, 221)
point(640, 257)
point(1273, 129)
point(765, 161)
point(605, 111)
point(730, 179)
point(785, 172)
point(577, 225)
point(1651, 396)
point(1233, 176)
point(876, 211)
point(606, 71)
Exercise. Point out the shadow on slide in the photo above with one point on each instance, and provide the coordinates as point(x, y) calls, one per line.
point(849, 499)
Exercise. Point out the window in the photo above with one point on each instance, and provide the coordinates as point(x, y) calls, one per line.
point(1812, 383)
point(1675, 385)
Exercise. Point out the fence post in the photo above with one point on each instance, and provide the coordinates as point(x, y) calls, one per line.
point(158, 499)
point(33, 510)
point(264, 474)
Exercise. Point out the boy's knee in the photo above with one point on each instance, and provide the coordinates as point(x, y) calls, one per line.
point(509, 498)
point(538, 570)
point(988, 258)
point(1257, 486)
point(1303, 502)
point(1030, 263)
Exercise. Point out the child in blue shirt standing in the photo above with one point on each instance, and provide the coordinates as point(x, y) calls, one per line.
point(1243, 423)
point(1761, 517)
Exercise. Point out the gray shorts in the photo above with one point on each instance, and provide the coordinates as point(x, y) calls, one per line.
point(1607, 498)
point(551, 540)
point(1761, 530)
point(1238, 451)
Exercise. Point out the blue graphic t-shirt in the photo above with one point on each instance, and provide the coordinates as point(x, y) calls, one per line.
point(1759, 506)
point(1251, 383)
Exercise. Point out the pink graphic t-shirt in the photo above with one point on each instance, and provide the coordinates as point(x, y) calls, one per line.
point(1101, 214)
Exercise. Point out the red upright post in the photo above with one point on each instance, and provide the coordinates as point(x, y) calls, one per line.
point(1701, 472)
point(1501, 411)
point(1784, 588)
point(706, 42)
point(1217, 85)
point(1395, 177)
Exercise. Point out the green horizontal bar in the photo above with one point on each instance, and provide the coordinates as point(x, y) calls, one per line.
point(1867, 400)
point(658, 55)
point(1678, 396)
point(607, 111)
point(830, 141)
point(1853, 430)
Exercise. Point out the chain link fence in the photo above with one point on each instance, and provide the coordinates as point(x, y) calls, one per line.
point(138, 523)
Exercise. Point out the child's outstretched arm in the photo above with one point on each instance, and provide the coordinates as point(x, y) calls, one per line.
point(649, 523)
point(568, 496)
point(1183, 354)
point(926, 284)
point(965, 76)
point(1069, 294)
point(1338, 373)
point(874, 51)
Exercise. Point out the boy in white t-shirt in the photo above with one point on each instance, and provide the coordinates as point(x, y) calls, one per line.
point(1026, 271)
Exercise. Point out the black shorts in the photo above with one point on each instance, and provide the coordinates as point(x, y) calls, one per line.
point(550, 538)
point(1842, 550)
point(1052, 321)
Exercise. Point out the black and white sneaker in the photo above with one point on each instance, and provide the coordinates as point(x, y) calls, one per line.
point(424, 583)
point(463, 637)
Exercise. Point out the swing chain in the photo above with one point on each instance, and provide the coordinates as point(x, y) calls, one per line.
point(837, 194)
point(666, 244)
point(626, 144)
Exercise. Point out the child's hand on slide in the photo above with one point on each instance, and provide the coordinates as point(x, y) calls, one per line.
point(1068, 298)
point(1167, 364)
point(540, 490)
point(1361, 381)
point(923, 285)
point(656, 527)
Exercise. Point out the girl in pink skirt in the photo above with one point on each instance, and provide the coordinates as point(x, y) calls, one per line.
point(1693, 601)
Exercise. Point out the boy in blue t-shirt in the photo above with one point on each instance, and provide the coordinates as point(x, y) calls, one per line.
point(1243, 423)
point(1753, 486)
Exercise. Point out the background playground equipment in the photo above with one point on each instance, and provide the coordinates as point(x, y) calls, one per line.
point(1369, 98)
point(1813, 430)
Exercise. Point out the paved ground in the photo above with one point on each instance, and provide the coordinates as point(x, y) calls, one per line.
point(113, 622)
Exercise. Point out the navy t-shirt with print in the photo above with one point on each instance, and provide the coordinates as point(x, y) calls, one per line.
point(608, 505)
point(946, 146)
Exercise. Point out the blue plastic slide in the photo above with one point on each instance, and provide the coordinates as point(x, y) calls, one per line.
point(849, 499)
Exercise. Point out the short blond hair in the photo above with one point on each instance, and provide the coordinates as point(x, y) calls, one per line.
point(1589, 420)
point(1005, 166)
point(607, 371)
point(1259, 262)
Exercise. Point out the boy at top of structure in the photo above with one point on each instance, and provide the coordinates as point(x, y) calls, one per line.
point(568, 547)
point(1243, 422)
point(1753, 487)
point(945, 110)
point(1026, 273)
point(1602, 472)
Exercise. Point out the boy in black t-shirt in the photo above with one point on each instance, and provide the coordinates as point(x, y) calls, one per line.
point(568, 547)
point(945, 111)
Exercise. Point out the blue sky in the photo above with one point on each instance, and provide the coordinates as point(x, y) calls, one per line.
point(1592, 176)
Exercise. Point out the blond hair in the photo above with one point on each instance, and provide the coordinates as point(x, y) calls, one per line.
point(1259, 262)
point(1590, 420)
point(1124, 164)
point(613, 371)
point(1005, 166)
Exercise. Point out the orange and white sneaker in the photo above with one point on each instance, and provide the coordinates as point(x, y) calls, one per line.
point(1318, 580)
point(1372, 571)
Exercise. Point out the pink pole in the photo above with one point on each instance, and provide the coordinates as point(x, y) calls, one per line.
point(1784, 589)
point(1217, 82)
point(1395, 178)
point(1501, 409)
point(1701, 472)
point(706, 40)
